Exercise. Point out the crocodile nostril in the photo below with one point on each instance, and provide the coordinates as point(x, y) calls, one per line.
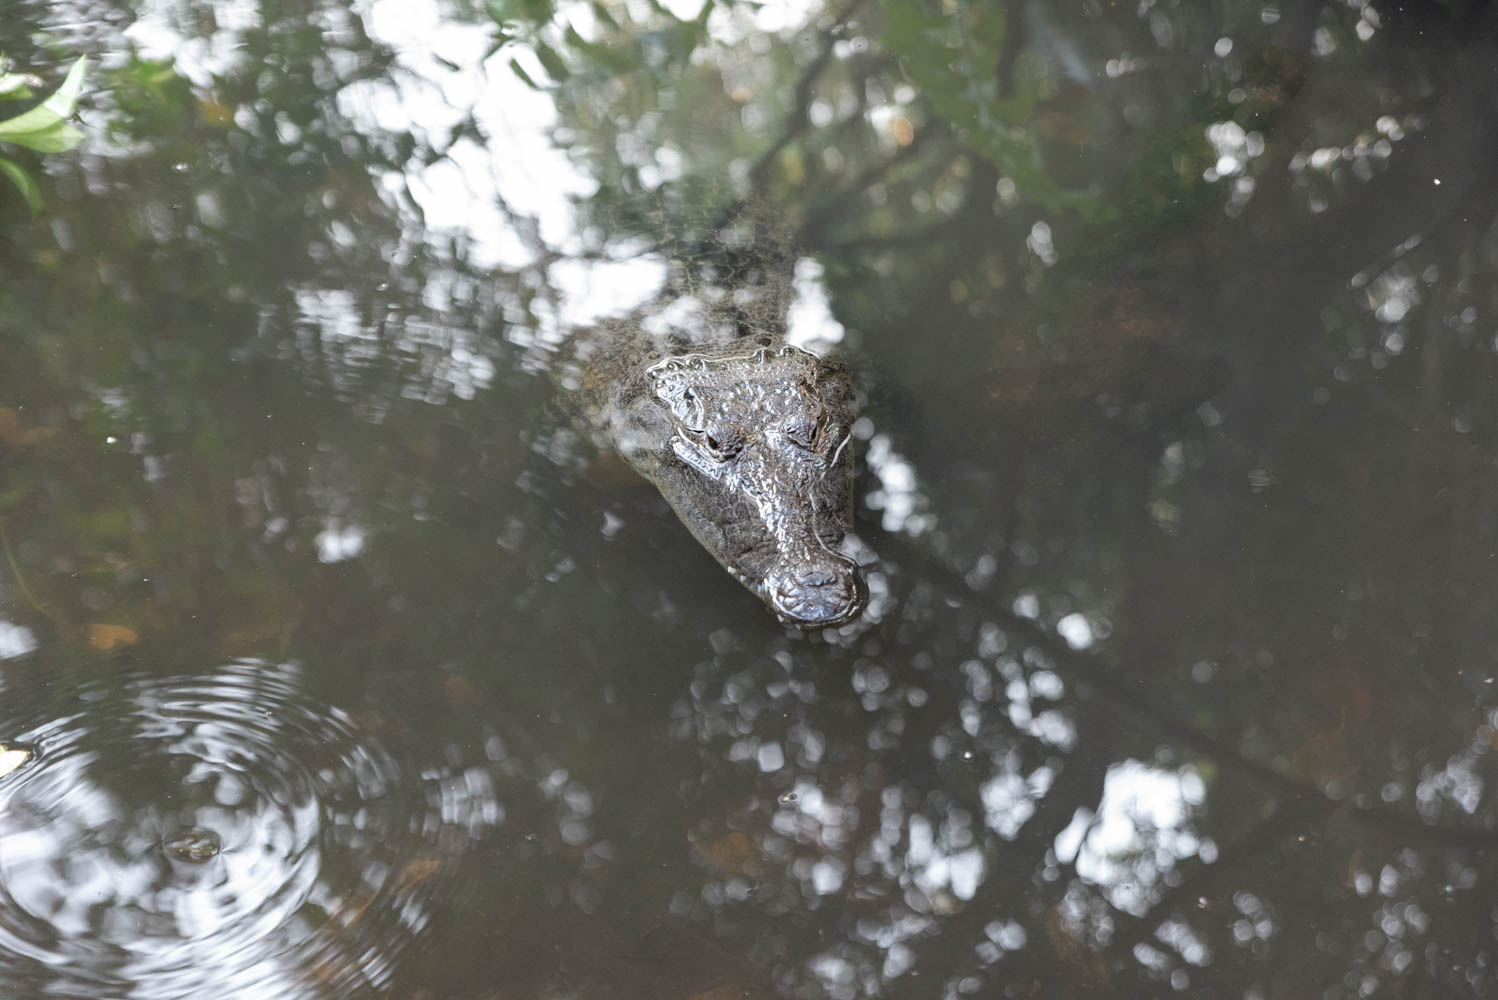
point(819, 595)
point(815, 578)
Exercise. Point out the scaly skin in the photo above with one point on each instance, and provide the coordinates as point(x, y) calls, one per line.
point(750, 443)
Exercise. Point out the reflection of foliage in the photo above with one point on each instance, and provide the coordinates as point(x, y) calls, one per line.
point(44, 128)
point(248, 341)
point(949, 54)
point(251, 160)
point(610, 87)
point(152, 100)
point(623, 48)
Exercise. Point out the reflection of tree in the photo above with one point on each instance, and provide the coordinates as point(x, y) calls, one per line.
point(1277, 264)
point(1045, 275)
point(231, 241)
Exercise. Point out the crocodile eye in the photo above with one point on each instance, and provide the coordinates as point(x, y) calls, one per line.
point(688, 408)
point(722, 444)
point(803, 433)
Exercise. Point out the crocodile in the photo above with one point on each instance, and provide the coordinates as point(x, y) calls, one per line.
point(749, 439)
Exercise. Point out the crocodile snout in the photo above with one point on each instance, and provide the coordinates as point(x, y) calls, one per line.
point(818, 595)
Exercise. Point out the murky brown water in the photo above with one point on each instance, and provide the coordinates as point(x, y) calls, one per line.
point(334, 662)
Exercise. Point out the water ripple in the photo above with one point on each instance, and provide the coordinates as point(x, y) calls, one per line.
point(220, 835)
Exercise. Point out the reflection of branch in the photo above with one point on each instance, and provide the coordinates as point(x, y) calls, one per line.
point(801, 104)
point(917, 237)
point(1130, 930)
point(1455, 150)
point(795, 125)
point(1016, 33)
point(833, 207)
point(1411, 417)
point(1088, 672)
point(20, 578)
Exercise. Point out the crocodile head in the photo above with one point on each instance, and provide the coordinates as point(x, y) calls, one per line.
point(758, 464)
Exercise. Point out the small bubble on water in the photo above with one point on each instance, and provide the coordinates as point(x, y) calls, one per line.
point(182, 167)
point(194, 846)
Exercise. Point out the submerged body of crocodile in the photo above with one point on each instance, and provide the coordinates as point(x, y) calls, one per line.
point(750, 442)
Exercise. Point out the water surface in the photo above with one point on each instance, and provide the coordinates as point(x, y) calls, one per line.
point(334, 662)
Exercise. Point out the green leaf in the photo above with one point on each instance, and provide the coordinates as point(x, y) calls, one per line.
point(44, 128)
point(604, 17)
point(525, 77)
point(538, 12)
point(988, 26)
point(614, 59)
point(552, 62)
point(67, 95)
point(59, 137)
point(22, 179)
point(14, 86)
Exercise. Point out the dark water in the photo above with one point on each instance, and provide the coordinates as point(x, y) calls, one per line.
point(335, 663)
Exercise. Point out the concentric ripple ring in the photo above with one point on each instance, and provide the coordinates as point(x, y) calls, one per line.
point(220, 835)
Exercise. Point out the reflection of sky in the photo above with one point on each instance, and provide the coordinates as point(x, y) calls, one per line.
point(1140, 831)
point(15, 640)
point(440, 79)
point(423, 95)
point(521, 166)
point(339, 541)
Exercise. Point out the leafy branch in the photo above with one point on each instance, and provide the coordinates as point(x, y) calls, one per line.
point(947, 54)
point(45, 128)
